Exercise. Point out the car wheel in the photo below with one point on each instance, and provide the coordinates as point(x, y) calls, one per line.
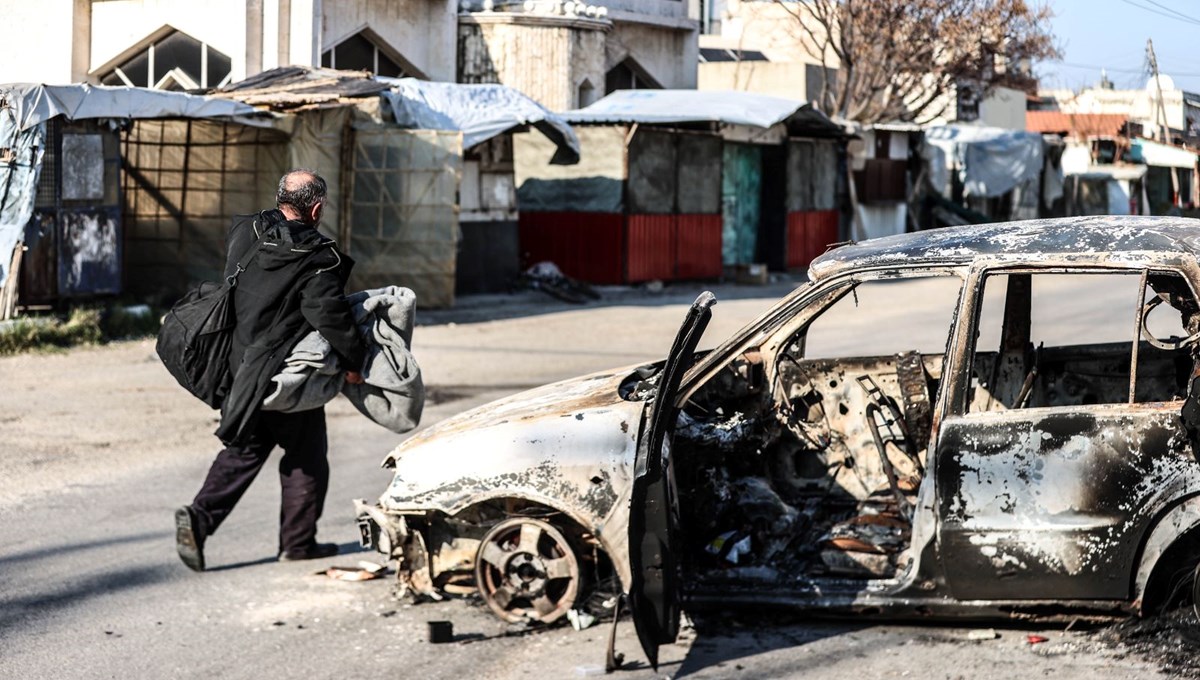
point(526, 569)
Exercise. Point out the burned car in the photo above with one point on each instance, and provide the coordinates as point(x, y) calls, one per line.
point(974, 422)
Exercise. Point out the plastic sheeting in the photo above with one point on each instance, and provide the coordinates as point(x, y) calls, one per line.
point(18, 182)
point(479, 111)
point(595, 184)
point(698, 106)
point(990, 161)
point(403, 224)
point(34, 104)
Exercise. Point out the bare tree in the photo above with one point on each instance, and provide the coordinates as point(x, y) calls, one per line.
point(903, 59)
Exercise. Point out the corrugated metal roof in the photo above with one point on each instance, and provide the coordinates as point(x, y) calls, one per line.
point(1080, 124)
point(701, 106)
point(291, 87)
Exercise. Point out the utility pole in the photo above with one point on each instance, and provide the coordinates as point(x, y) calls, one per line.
point(1162, 116)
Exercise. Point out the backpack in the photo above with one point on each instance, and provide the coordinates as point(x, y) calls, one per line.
point(197, 334)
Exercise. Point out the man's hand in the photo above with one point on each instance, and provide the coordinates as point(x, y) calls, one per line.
point(354, 377)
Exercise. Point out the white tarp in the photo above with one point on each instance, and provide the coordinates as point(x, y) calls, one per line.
point(479, 111)
point(34, 104)
point(989, 161)
point(697, 106)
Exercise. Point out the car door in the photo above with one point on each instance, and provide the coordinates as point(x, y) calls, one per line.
point(653, 517)
point(1055, 461)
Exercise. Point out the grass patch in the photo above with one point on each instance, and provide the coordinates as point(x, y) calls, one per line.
point(82, 326)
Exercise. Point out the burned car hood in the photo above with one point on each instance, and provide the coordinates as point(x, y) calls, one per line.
point(572, 441)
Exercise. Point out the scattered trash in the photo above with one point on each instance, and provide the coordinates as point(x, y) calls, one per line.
point(548, 278)
point(580, 619)
point(365, 571)
point(1169, 641)
point(1036, 639)
point(730, 545)
point(589, 670)
point(441, 632)
point(654, 286)
point(983, 634)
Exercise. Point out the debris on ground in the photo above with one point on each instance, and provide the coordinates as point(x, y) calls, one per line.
point(1170, 641)
point(1036, 639)
point(364, 571)
point(983, 634)
point(580, 619)
point(441, 632)
point(548, 278)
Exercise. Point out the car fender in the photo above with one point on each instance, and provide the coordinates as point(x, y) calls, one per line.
point(1175, 523)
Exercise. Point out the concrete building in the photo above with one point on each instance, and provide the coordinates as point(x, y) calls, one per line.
point(1180, 109)
point(564, 55)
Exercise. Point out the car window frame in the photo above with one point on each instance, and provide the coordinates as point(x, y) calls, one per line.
point(962, 356)
point(772, 330)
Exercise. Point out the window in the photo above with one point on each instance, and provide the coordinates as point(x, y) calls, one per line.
point(1067, 339)
point(360, 53)
point(878, 318)
point(176, 61)
point(627, 75)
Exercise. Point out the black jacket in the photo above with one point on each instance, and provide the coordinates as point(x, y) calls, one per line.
point(296, 283)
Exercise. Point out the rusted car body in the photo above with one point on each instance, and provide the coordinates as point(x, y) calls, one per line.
point(1026, 460)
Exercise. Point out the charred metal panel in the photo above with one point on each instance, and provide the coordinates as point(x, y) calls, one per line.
point(1053, 503)
point(569, 445)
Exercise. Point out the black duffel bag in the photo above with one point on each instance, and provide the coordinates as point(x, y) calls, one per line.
point(197, 334)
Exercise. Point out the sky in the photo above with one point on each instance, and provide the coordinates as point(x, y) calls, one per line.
point(1112, 33)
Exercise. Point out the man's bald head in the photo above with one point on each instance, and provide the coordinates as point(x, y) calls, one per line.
point(301, 195)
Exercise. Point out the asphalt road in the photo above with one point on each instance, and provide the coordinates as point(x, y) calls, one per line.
point(98, 446)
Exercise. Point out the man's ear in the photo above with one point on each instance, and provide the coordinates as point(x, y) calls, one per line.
point(315, 214)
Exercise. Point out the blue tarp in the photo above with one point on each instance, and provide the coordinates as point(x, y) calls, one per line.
point(479, 111)
point(732, 107)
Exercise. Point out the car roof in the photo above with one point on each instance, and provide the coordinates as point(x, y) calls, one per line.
point(1034, 240)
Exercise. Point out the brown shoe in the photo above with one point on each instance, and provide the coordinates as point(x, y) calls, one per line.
point(189, 542)
point(312, 552)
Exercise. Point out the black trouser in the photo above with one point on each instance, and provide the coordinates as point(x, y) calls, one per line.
point(303, 474)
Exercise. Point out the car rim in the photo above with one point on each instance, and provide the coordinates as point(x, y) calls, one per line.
point(526, 570)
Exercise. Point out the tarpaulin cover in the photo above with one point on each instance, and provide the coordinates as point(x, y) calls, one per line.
point(595, 184)
point(34, 104)
point(990, 161)
point(479, 111)
point(698, 106)
point(18, 182)
point(1161, 155)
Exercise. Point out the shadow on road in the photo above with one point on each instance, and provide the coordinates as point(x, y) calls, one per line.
point(58, 551)
point(724, 640)
point(51, 597)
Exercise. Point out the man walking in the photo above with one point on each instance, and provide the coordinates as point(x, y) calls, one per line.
point(290, 280)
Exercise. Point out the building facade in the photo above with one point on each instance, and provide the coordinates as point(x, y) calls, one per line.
point(564, 55)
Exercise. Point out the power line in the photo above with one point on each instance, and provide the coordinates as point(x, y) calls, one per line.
point(1177, 13)
point(1176, 16)
point(1138, 71)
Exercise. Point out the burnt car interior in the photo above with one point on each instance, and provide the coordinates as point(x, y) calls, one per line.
point(1039, 343)
point(806, 463)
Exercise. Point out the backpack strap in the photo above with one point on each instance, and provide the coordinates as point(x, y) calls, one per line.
point(252, 250)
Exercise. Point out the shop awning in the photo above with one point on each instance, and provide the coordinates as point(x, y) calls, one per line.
point(1161, 155)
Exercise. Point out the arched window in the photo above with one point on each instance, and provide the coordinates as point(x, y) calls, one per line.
point(176, 61)
point(360, 53)
point(628, 75)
